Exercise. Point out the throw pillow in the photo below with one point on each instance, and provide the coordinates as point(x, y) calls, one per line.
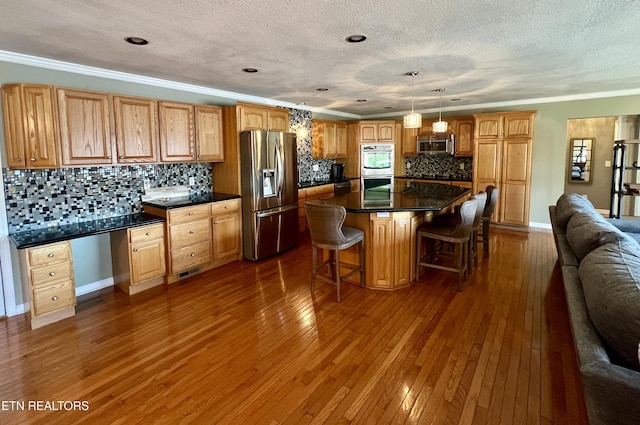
point(569, 204)
point(588, 231)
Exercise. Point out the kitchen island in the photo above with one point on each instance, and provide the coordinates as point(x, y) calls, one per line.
point(389, 220)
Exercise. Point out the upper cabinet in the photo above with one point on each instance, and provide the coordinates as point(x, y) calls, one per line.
point(30, 126)
point(208, 121)
point(463, 131)
point(85, 127)
point(329, 139)
point(136, 129)
point(377, 131)
point(176, 122)
point(255, 117)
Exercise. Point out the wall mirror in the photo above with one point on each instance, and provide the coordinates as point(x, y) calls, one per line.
point(580, 155)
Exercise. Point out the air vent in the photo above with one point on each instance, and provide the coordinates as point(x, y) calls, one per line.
point(188, 273)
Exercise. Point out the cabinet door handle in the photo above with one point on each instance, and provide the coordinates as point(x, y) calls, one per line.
point(193, 254)
point(191, 231)
point(52, 274)
point(54, 298)
point(19, 159)
point(135, 249)
point(51, 255)
point(226, 207)
point(148, 233)
point(33, 159)
point(190, 213)
point(121, 157)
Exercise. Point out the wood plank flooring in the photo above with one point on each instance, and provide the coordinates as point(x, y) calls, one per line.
point(249, 344)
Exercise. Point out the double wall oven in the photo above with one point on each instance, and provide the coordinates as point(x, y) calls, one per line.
point(376, 166)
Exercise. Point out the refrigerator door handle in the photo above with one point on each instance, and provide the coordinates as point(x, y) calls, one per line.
point(276, 211)
point(280, 168)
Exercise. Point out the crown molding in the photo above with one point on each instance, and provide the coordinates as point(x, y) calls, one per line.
point(92, 71)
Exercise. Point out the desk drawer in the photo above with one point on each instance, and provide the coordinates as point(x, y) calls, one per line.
point(146, 233)
point(48, 254)
point(187, 234)
point(186, 258)
point(53, 297)
point(47, 275)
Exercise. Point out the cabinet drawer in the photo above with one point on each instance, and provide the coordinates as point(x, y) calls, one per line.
point(52, 273)
point(225, 206)
point(191, 256)
point(53, 297)
point(182, 215)
point(187, 234)
point(146, 233)
point(48, 254)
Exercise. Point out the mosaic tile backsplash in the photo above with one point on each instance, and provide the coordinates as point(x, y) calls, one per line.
point(302, 119)
point(439, 165)
point(51, 197)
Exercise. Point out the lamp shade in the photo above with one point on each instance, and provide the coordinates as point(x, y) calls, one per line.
point(439, 126)
point(413, 120)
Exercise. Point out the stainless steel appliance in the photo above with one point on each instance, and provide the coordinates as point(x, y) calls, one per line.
point(436, 144)
point(376, 166)
point(376, 160)
point(269, 173)
point(341, 188)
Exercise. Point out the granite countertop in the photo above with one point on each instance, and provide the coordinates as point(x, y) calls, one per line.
point(186, 201)
point(441, 177)
point(37, 237)
point(416, 197)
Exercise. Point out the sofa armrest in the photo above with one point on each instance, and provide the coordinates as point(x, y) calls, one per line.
point(627, 226)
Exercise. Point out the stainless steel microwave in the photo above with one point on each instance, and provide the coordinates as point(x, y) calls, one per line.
point(435, 144)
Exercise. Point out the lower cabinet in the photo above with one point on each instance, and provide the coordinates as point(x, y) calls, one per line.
point(48, 282)
point(310, 194)
point(225, 231)
point(138, 258)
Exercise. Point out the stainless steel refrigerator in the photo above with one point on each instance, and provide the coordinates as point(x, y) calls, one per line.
point(269, 170)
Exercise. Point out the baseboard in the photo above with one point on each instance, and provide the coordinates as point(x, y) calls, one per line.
point(540, 225)
point(94, 286)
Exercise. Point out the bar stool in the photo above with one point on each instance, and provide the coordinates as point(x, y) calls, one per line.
point(490, 205)
point(447, 238)
point(327, 232)
point(481, 200)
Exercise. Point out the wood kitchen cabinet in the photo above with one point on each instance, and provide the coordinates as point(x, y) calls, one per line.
point(136, 129)
point(463, 131)
point(226, 230)
point(30, 126)
point(208, 122)
point(237, 118)
point(502, 158)
point(48, 282)
point(176, 128)
point(329, 139)
point(409, 142)
point(138, 258)
point(325, 191)
point(377, 131)
point(85, 127)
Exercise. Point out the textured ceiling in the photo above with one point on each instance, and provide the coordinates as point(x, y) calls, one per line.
point(479, 51)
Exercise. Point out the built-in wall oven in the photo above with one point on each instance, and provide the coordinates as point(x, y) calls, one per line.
point(376, 167)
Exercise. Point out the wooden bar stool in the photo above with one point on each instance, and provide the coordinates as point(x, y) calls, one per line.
point(481, 200)
point(489, 206)
point(447, 238)
point(327, 232)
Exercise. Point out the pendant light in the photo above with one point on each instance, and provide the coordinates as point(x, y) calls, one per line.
point(440, 126)
point(414, 119)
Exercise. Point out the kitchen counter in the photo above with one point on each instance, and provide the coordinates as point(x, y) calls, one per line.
point(187, 201)
point(416, 197)
point(446, 178)
point(38, 237)
point(313, 183)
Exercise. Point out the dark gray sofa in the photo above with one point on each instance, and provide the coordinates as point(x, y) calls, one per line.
point(600, 261)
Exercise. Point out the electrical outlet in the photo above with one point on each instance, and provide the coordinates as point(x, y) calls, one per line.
point(316, 167)
point(408, 165)
point(607, 163)
point(147, 184)
point(462, 166)
point(192, 181)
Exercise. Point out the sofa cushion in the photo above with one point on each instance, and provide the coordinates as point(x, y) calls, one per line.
point(587, 231)
point(610, 278)
point(569, 204)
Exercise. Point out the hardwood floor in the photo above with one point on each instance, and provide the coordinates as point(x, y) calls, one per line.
point(248, 344)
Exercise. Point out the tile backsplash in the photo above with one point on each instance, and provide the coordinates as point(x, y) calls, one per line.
point(439, 165)
point(50, 197)
point(297, 119)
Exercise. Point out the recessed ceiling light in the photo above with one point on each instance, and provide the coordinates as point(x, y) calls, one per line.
point(356, 38)
point(138, 41)
point(322, 89)
point(250, 70)
point(457, 99)
point(361, 100)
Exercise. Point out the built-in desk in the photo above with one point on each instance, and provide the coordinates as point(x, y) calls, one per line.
point(389, 221)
